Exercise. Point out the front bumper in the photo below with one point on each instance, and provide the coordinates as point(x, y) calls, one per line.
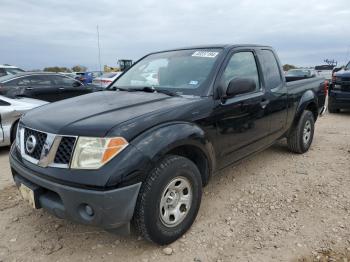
point(111, 209)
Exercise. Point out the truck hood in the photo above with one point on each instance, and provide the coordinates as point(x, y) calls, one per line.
point(97, 113)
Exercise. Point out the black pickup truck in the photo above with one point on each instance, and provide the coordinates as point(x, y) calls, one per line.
point(140, 152)
point(339, 91)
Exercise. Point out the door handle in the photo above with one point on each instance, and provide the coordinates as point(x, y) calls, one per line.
point(29, 88)
point(61, 88)
point(264, 103)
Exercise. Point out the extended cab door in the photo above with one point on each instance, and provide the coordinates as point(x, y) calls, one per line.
point(241, 121)
point(276, 93)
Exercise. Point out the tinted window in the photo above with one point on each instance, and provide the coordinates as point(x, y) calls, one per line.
point(35, 81)
point(11, 83)
point(2, 72)
point(4, 103)
point(241, 65)
point(66, 81)
point(270, 69)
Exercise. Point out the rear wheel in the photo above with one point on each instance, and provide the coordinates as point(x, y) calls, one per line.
point(301, 135)
point(169, 200)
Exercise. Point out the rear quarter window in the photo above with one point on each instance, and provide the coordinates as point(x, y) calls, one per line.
point(270, 69)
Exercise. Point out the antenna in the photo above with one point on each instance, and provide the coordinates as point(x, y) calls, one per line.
point(99, 49)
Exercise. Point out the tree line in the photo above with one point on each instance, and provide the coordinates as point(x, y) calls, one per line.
point(56, 69)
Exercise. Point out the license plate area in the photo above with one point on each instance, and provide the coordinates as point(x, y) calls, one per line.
point(29, 194)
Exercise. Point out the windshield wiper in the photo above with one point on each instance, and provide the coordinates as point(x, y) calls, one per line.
point(148, 89)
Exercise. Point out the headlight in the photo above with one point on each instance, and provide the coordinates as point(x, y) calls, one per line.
point(92, 152)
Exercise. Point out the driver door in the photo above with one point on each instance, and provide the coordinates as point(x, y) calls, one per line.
point(241, 120)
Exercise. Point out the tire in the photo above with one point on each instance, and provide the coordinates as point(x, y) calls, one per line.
point(13, 132)
point(150, 217)
point(301, 135)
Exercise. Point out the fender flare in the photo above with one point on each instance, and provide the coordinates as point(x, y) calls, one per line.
point(156, 142)
point(308, 98)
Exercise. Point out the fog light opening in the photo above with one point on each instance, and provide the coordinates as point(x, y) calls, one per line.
point(89, 210)
point(86, 212)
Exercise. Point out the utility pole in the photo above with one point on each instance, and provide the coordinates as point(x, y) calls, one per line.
point(99, 49)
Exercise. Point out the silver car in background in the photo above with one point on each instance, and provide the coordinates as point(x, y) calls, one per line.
point(10, 112)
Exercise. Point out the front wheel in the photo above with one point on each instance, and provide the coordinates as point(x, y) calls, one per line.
point(169, 200)
point(301, 135)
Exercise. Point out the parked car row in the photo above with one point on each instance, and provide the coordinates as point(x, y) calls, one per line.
point(21, 91)
point(48, 87)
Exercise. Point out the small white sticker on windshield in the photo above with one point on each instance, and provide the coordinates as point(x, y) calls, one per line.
point(205, 54)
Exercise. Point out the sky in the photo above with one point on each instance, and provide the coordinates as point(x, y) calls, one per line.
point(36, 34)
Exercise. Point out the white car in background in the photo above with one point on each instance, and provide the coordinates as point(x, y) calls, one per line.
point(106, 79)
point(10, 112)
point(9, 70)
point(325, 71)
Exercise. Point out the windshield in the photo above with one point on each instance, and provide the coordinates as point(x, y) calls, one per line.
point(181, 71)
point(298, 72)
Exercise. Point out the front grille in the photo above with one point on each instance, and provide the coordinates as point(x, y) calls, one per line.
point(40, 141)
point(345, 88)
point(345, 79)
point(65, 150)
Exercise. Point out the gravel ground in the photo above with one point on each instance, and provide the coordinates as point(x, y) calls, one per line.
point(275, 206)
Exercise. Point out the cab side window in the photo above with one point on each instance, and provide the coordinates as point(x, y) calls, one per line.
point(241, 65)
point(66, 81)
point(270, 69)
point(35, 81)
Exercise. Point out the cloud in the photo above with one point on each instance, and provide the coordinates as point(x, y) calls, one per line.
point(35, 34)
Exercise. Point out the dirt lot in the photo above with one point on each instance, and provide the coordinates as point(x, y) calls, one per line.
point(275, 206)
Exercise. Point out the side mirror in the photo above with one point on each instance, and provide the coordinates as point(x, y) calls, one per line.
point(239, 86)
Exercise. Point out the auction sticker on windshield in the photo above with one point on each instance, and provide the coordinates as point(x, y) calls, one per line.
point(205, 54)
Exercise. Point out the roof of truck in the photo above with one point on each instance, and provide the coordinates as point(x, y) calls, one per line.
point(211, 46)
